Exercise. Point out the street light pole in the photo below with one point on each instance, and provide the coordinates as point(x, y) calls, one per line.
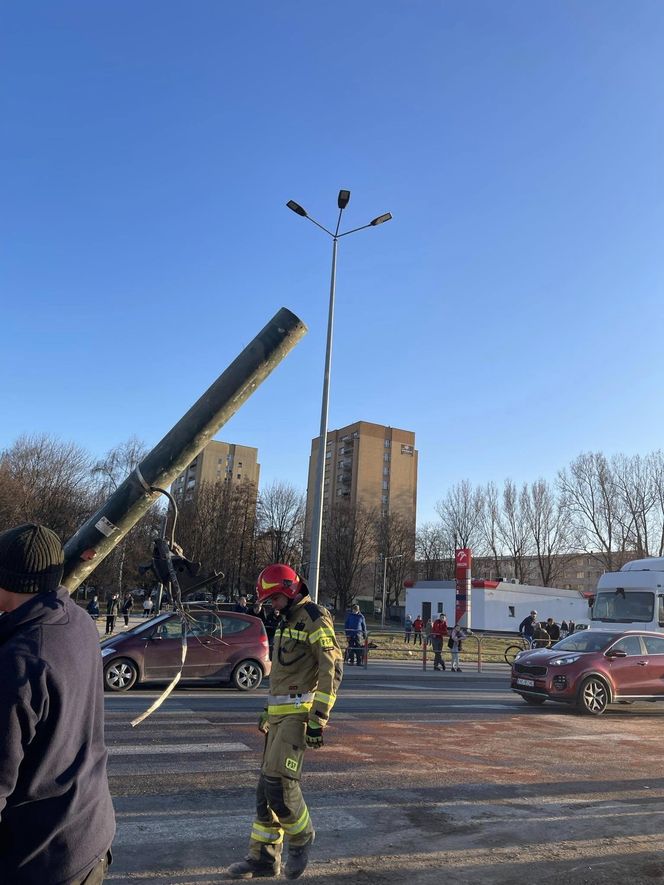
point(319, 488)
point(317, 515)
point(385, 559)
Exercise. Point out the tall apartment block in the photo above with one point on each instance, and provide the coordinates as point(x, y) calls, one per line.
point(370, 465)
point(219, 462)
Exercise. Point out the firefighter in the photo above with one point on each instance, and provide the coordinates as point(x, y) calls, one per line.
point(306, 672)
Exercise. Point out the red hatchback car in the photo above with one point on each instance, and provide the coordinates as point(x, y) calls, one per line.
point(221, 647)
point(592, 669)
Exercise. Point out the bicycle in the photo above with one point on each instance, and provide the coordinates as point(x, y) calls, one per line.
point(524, 645)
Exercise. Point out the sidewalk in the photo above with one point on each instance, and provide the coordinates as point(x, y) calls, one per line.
point(134, 620)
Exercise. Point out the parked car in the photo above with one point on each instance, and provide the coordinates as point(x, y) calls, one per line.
point(221, 647)
point(592, 669)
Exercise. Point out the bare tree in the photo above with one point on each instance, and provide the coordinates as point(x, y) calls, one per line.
point(460, 512)
point(596, 508)
point(489, 525)
point(657, 469)
point(348, 548)
point(547, 523)
point(634, 479)
point(513, 528)
point(434, 552)
point(45, 480)
point(395, 541)
point(280, 523)
point(134, 549)
point(217, 528)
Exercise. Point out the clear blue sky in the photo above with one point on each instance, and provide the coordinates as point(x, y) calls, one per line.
point(510, 314)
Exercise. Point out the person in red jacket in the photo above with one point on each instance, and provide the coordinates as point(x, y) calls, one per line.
point(438, 636)
point(418, 623)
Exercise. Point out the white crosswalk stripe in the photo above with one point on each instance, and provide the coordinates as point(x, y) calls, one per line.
point(152, 829)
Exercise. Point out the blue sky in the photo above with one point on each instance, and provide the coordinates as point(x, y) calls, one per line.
point(510, 314)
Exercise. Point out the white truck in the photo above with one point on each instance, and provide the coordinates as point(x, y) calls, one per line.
point(631, 599)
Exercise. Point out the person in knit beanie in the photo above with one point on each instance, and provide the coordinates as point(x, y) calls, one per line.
point(56, 815)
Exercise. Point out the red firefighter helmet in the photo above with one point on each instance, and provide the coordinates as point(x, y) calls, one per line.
point(279, 578)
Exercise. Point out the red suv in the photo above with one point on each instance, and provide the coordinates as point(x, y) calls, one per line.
point(592, 669)
point(221, 647)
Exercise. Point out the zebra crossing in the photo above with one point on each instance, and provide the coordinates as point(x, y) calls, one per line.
point(164, 835)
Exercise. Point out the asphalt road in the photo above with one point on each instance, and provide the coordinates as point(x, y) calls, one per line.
point(425, 777)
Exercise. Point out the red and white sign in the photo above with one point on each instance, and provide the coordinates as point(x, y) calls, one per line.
point(464, 562)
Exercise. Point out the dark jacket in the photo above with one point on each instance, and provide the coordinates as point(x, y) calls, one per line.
point(56, 814)
point(127, 605)
point(93, 608)
point(112, 606)
point(527, 627)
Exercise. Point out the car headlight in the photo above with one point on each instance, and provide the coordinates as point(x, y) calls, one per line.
point(519, 654)
point(566, 659)
point(108, 651)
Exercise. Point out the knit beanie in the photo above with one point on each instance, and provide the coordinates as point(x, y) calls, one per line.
point(31, 559)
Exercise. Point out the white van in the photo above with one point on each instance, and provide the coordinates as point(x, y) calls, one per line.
point(631, 599)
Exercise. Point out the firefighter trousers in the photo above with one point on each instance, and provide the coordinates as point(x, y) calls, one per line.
point(280, 807)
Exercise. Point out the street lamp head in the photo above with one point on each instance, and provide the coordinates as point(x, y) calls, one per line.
point(295, 207)
point(342, 199)
point(381, 219)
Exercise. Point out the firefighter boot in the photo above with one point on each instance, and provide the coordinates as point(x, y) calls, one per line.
point(254, 869)
point(298, 858)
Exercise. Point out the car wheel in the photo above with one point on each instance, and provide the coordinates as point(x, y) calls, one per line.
point(247, 676)
point(120, 674)
point(593, 696)
point(533, 700)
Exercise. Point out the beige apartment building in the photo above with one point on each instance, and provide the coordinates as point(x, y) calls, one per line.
point(219, 462)
point(368, 465)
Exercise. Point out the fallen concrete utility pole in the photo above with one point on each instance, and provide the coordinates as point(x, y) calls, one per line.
point(131, 500)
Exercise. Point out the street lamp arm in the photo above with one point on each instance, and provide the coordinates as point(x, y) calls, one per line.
point(313, 221)
point(354, 230)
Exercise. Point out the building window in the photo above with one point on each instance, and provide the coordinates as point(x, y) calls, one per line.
point(386, 471)
point(510, 609)
point(383, 499)
point(440, 608)
point(386, 456)
point(239, 463)
point(388, 443)
point(385, 484)
point(328, 454)
point(239, 476)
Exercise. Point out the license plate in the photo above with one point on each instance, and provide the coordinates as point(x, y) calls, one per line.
point(529, 683)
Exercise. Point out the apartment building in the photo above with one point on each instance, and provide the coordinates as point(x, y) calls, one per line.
point(366, 464)
point(219, 462)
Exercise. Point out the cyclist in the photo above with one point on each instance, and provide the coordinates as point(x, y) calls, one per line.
point(527, 627)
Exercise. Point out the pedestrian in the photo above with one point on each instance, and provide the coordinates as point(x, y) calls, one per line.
point(418, 623)
point(112, 611)
point(427, 632)
point(527, 626)
point(564, 629)
point(147, 606)
point(541, 638)
point(271, 624)
point(127, 606)
point(438, 635)
point(355, 627)
point(572, 626)
point(56, 815)
point(454, 643)
point(241, 606)
point(408, 629)
point(93, 608)
point(305, 677)
point(552, 629)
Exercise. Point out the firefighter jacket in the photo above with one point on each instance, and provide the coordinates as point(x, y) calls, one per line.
point(306, 664)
